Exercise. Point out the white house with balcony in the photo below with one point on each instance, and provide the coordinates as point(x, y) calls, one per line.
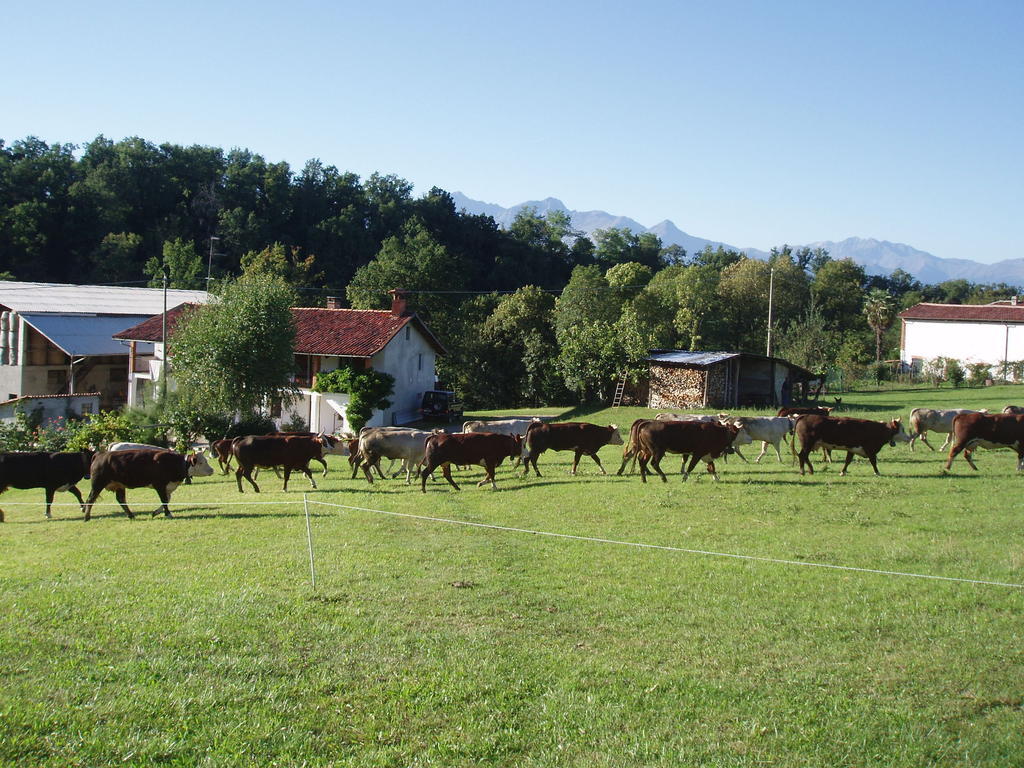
point(393, 341)
point(971, 333)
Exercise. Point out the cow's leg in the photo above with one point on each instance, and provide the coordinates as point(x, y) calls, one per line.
point(575, 461)
point(120, 496)
point(165, 497)
point(367, 461)
point(594, 456)
point(957, 447)
point(945, 442)
point(49, 501)
point(489, 468)
point(737, 452)
point(73, 490)
point(427, 469)
point(711, 468)
point(764, 450)
point(924, 439)
point(355, 461)
point(656, 463)
point(626, 456)
point(805, 458)
point(93, 495)
point(643, 459)
point(969, 455)
point(849, 458)
point(245, 472)
point(323, 461)
point(874, 465)
point(446, 470)
point(693, 463)
point(1020, 459)
point(307, 473)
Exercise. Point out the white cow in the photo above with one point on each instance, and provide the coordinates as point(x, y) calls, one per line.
point(500, 426)
point(404, 444)
point(197, 467)
point(925, 420)
point(702, 417)
point(770, 430)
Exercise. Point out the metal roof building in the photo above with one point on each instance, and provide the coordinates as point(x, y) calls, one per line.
point(681, 379)
point(56, 338)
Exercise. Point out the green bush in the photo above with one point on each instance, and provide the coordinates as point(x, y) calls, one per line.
point(979, 373)
point(367, 389)
point(955, 374)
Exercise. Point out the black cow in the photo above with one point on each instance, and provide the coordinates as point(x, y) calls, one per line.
point(50, 471)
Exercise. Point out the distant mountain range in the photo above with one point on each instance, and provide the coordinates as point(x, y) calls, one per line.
point(878, 257)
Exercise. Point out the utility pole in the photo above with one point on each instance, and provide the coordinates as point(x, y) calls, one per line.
point(163, 338)
point(771, 292)
point(209, 263)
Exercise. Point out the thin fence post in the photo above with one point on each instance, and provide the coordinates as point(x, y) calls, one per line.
point(309, 541)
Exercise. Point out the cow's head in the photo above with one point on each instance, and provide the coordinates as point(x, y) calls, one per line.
point(517, 446)
point(616, 436)
point(332, 445)
point(740, 435)
point(899, 435)
point(197, 465)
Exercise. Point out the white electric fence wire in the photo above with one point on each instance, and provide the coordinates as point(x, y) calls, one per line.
point(666, 548)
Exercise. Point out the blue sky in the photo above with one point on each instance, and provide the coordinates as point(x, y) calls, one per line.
point(754, 123)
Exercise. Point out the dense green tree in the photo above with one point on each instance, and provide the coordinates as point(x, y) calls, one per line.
point(838, 292)
point(587, 298)
point(620, 245)
point(236, 354)
point(185, 267)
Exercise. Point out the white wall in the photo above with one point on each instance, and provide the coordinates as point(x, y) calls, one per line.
point(968, 342)
point(410, 359)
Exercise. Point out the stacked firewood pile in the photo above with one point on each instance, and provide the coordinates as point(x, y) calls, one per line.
point(677, 387)
point(685, 387)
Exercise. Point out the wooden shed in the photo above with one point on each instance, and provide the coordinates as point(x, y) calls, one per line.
point(680, 379)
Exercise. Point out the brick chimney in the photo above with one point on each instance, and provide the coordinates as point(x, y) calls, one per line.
point(334, 302)
point(398, 304)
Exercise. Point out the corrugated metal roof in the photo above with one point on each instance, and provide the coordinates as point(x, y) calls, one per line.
point(99, 299)
point(979, 313)
point(152, 329)
point(700, 359)
point(84, 334)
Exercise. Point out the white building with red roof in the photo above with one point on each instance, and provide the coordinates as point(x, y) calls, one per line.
point(972, 333)
point(393, 341)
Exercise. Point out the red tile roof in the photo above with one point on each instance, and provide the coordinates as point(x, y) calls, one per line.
point(341, 332)
point(978, 313)
point(152, 329)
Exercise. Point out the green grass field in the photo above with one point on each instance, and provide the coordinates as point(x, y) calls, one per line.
point(199, 640)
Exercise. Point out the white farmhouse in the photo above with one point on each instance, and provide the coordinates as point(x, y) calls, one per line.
point(972, 333)
point(55, 338)
point(393, 341)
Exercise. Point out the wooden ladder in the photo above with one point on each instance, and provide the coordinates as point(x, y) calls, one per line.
point(619, 389)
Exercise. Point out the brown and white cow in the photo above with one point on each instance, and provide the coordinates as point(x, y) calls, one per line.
point(221, 451)
point(1014, 409)
point(980, 430)
point(161, 470)
point(858, 437)
point(463, 449)
point(925, 420)
point(700, 440)
point(582, 438)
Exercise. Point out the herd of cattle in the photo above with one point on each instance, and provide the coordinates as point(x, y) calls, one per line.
point(698, 438)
